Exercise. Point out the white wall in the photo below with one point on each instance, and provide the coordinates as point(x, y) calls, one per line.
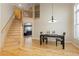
point(63, 15)
point(0, 25)
point(6, 12)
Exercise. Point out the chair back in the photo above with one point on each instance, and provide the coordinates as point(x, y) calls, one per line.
point(41, 33)
point(64, 33)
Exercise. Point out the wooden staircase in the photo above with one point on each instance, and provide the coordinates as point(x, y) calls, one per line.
point(14, 35)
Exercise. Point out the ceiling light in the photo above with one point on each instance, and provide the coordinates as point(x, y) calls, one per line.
point(52, 18)
point(19, 5)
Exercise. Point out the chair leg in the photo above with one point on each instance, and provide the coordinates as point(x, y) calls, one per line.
point(56, 42)
point(46, 41)
point(40, 41)
point(61, 42)
point(43, 40)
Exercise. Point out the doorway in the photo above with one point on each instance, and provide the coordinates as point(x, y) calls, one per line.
point(28, 34)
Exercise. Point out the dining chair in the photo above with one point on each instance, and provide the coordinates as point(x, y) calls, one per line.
point(60, 40)
point(44, 38)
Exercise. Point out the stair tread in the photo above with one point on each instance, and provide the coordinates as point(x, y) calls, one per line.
point(11, 44)
point(12, 40)
point(14, 34)
point(10, 47)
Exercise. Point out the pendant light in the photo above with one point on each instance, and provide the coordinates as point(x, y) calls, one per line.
point(52, 18)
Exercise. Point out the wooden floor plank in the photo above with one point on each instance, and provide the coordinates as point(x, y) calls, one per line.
point(44, 50)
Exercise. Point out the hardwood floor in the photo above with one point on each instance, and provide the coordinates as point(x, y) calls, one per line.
point(43, 50)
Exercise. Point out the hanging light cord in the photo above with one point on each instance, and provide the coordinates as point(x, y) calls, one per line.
point(52, 18)
point(52, 14)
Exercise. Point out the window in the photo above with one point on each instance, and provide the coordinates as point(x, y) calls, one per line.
point(76, 21)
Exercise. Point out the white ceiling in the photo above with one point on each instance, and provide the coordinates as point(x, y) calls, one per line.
point(24, 6)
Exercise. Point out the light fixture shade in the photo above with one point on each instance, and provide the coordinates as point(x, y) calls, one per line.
point(19, 5)
point(50, 21)
point(54, 20)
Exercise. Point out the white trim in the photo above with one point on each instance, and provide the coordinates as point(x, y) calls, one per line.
point(75, 21)
point(75, 45)
point(65, 41)
point(52, 40)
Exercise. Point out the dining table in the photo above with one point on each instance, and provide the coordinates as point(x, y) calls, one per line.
point(53, 36)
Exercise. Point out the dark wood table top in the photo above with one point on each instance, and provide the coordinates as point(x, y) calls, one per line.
point(52, 35)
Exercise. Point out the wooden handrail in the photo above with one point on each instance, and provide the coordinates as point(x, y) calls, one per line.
point(7, 23)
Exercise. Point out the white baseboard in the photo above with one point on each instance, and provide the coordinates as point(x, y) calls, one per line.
point(75, 45)
point(68, 42)
point(65, 41)
point(53, 40)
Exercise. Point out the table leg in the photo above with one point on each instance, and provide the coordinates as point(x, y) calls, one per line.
point(46, 41)
point(56, 41)
point(63, 43)
point(40, 41)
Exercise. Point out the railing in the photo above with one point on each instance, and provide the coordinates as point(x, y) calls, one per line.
point(11, 18)
point(5, 30)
